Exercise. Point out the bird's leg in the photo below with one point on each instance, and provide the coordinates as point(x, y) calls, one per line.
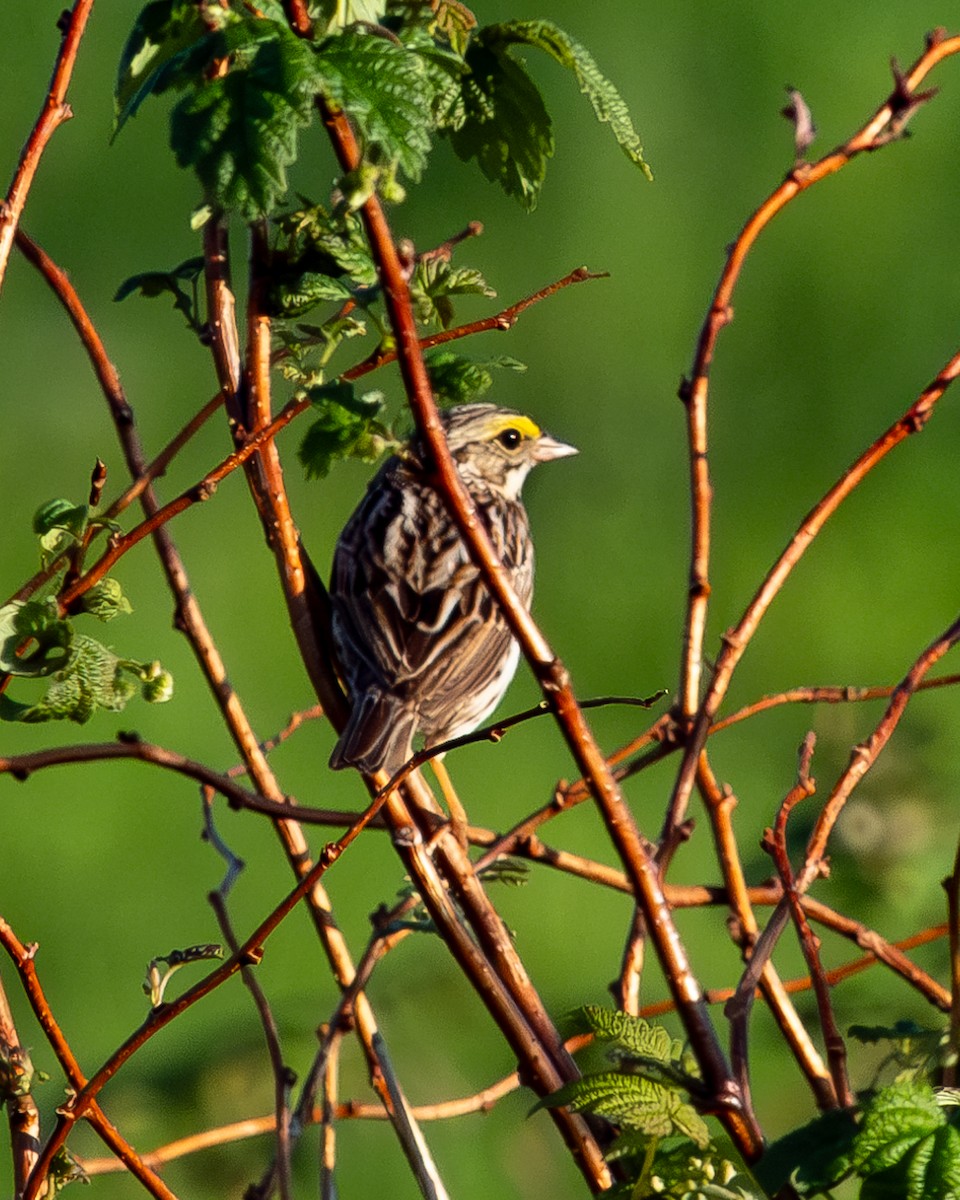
point(458, 814)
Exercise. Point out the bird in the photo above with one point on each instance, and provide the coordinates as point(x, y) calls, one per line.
point(421, 644)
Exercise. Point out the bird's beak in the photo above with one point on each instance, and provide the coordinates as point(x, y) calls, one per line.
point(546, 448)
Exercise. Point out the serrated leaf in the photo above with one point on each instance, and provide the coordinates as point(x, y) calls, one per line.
point(895, 1120)
point(292, 298)
point(384, 88)
point(687, 1120)
point(435, 281)
point(930, 1171)
point(503, 123)
point(313, 240)
point(457, 380)
point(444, 70)
point(608, 105)
point(93, 678)
point(347, 426)
point(105, 600)
point(630, 1033)
point(632, 1101)
point(239, 131)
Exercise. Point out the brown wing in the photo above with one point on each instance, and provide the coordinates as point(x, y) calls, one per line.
point(410, 610)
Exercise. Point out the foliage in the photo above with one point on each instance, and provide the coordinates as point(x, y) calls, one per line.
point(249, 87)
point(902, 1139)
point(646, 1096)
point(501, 119)
point(348, 425)
point(37, 641)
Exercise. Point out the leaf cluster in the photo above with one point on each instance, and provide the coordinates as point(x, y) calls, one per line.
point(664, 1145)
point(403, 74)
point(38, 642)
point(320, 257)
point(247, 86)
point(903, 1141)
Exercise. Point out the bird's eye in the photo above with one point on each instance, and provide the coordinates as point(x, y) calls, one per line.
point(510, 439)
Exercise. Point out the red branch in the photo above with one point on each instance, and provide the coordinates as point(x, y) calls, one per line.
point(55, 112)
point(548, 669)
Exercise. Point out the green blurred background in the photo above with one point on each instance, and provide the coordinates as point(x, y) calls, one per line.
point(847, 308)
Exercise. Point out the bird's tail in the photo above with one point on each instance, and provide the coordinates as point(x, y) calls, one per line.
point(377, 736)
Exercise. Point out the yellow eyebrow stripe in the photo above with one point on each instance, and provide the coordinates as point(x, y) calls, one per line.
point(529, 429)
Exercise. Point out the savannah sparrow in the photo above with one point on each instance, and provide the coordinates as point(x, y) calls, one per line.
point(422, 646)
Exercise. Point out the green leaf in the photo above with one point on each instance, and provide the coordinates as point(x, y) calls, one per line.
point(162, 35)
point(105, 600)
point(64, 1169)
point(384, 88)
point(435, 281)
point(895, 1120)
point(608, 104)
point(59, 525)
point(457, 380)
point(310, 347)
point(632, 1101)
point(292, 298)
point(627, 1032)
point(239, 131)
point(160, 283)
point(60, 514)
point(813, 1158)
point(39, 622)
point(503, 123)
point(347, 427)
point(92, 679)
point(929, 1171)
point(312, 241)
point(445, 71)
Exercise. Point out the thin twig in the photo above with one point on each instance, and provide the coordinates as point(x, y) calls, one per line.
point(22, 958)
point(737, 639)
point(283, 1077)
point(694, 392)
point(865, 755)
point(720, 804)
point(484, 1100)
point(55, 112)
point(776, 843)
point(84, 1101)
